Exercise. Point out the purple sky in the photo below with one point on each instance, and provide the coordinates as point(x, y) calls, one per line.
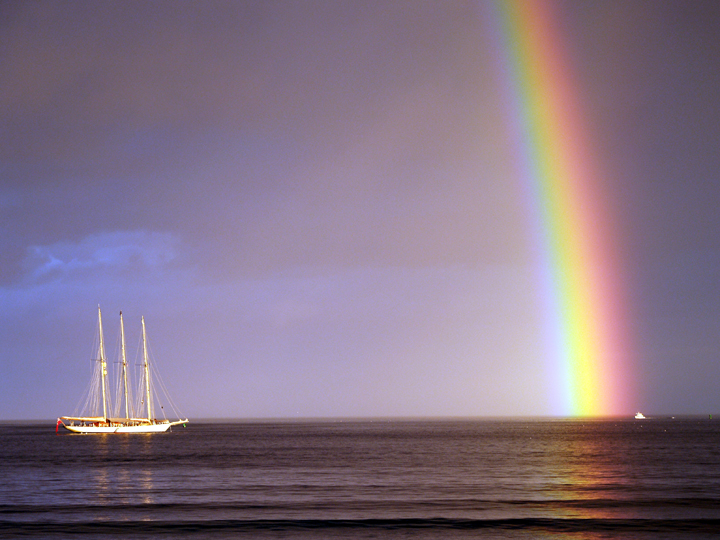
point(312, 203)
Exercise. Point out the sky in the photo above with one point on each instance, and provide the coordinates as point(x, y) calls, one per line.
point(315, 205)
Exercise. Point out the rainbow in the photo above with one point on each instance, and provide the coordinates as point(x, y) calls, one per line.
point(582, 302)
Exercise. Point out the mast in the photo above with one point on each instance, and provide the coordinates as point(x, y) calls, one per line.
point(124, 365)
point(147, 373)
point(103, 364)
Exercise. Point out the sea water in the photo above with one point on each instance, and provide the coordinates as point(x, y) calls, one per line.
point(584, 479)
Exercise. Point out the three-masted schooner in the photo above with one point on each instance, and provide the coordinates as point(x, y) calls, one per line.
point(131, 423)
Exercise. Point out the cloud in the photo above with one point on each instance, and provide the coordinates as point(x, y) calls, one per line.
point(112, 252)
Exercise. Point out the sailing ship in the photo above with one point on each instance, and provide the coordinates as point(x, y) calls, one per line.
point(98, 397)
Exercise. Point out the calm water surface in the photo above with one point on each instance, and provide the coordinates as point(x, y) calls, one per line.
point(657, 478)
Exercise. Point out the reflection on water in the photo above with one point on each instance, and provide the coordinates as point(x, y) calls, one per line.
point(584, 475)
point(144, 481)
point(95, 473)
point(582, 478)
point(118, 470)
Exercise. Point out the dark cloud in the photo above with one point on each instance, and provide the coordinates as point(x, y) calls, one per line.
point(251, 126)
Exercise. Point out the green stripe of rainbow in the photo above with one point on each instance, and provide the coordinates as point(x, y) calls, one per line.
point(581, 288)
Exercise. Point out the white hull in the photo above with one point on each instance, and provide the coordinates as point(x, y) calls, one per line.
point(146, 428)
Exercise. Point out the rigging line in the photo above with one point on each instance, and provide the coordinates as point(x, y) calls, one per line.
point(156, 371)
point(138, 376)
point(138, 382)
point(85, 395)
point(92, 400)
point(158, 388)
point(156, 397)
point(117, 377)
point(166, 393)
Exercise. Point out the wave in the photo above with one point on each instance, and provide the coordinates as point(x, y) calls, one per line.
point(199, 528)
point(366, 505)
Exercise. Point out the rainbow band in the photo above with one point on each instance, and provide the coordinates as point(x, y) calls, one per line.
point(580, 287)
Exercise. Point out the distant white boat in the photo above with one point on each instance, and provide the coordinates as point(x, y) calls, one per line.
point(98, 394)
point(639, 416)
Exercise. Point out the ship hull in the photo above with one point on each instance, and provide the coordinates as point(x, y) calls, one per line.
point(147, 428)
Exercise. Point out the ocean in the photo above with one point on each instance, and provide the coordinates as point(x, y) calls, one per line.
point(420, 479)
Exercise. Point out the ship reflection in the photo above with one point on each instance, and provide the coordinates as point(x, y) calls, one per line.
point(122, 476)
